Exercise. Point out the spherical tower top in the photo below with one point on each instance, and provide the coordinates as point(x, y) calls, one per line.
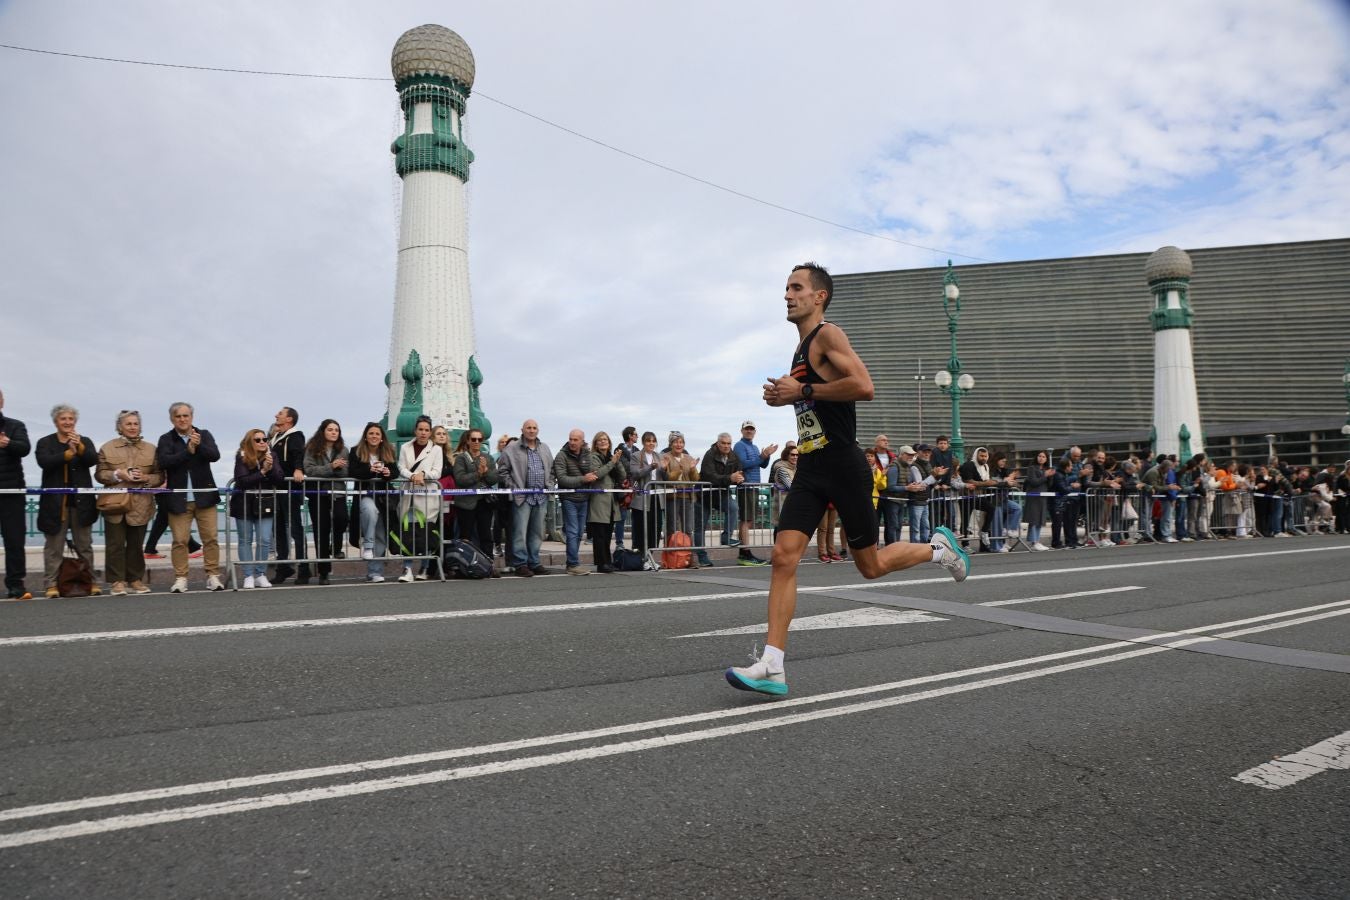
point(432, 50)
point(1168, 264)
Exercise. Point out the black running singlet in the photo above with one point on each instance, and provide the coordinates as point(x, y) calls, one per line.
point(820, 423)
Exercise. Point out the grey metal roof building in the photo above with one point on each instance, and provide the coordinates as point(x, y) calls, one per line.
point(1061, 349)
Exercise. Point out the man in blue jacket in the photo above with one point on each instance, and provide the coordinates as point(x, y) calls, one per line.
point(752, 459)
point(185, 453)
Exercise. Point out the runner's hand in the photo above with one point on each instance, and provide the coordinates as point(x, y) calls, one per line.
point(782, 391)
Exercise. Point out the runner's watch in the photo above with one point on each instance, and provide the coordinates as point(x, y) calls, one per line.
point(807, 391)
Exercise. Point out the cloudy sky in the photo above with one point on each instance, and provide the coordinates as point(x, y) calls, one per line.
point(229, 239)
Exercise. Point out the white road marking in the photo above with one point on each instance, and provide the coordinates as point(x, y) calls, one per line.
point(123, 822)
point(868, 617)
point(1114, 590)
point(195, 630)
point(850, 618)
point(1333, 753)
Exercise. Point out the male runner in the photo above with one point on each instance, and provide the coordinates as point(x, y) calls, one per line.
point(827, 379)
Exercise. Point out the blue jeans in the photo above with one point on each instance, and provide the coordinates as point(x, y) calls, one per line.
point(1181, 531)
point(1008, 520)
point(731, 518)
point(574, 525)
point(374, 531)
point(1166, 524)
point(251, 532)
point(527, 533)
point(892, 517)
point(919, 532)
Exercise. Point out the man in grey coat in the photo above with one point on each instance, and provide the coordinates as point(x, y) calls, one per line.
point(526, 467)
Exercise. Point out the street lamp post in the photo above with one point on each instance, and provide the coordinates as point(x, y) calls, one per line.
point(919, 379)
point(1345, 379)
point(952, 380)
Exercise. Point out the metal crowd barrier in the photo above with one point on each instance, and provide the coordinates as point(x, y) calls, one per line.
point(409, 526)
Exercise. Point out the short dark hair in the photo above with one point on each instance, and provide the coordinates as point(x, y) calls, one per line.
point(295, 416)
point(820, 279)
point(629, 432)
point(940, 438)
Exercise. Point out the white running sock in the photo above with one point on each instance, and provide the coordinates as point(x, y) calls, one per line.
point(938, 551)
point(774, 657)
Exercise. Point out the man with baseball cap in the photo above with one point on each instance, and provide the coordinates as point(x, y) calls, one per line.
point(752, 460)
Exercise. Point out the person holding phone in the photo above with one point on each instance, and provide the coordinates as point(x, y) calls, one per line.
point(127, 461)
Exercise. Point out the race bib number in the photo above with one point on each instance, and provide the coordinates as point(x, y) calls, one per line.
point(810, 434)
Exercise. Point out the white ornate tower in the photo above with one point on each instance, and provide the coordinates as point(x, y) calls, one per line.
point(431, 366)
point(1176, 405)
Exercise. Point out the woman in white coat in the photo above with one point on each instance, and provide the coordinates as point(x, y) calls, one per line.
point(420, 461)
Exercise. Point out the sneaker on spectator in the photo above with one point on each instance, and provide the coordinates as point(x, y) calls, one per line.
point(213, 583)
point(138, 587)
point(407, 575)
point(421, 576)
point(119, 589)
point(179, 586)
point(20, 595)
point(704, 560)
point(375, 579)
point(1169, 540)
point(51, 593)
point(261, 581)
point(578, 570)
point(1188, 540)
point(746, 558)
point(1039, 546)
point(248, 583)
point(367, 553)
point(757, 677)
point(1106, 542)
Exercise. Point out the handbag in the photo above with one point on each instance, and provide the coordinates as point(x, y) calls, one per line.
point(74, 578)
point(113, 503)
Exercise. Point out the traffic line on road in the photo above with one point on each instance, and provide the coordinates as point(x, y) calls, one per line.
point(774, 718)
point(752, 588)
point(1333, 753)
point(871, 617)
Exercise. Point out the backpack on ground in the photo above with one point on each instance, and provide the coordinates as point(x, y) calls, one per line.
point(626, 560)
point(677, 558)
point(464, 560)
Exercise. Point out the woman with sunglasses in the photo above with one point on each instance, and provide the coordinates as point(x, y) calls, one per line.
point(257, 478)
point(474, 469)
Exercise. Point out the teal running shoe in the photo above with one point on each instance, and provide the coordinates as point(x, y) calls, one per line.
point(954, 557)
point(757, 677)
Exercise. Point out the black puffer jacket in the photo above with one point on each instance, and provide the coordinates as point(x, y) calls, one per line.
point(11, 457)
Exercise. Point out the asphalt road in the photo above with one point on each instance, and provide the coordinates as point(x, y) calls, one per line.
point(574, 737)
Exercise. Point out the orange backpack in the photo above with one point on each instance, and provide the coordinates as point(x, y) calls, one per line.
point(677, 559)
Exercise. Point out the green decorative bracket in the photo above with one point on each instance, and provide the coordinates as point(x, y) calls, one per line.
point(412, 399)
point(476, 417)
point(1185, 435)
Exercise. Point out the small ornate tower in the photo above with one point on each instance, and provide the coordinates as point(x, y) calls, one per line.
point(1176, 405)
point(432, 342)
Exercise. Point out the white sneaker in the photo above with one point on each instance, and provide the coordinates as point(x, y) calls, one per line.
point(261, 581)
point(375, 579)
point(213, 583)
point(1106, 543)
point(757, 677)
point(1003, 549)
point(422, 576)
point(179, 586)
point(407, 575)
point(1039, 546)
point(367, 553)
point(1169, 540)
point(248, 583)
point(954, 557)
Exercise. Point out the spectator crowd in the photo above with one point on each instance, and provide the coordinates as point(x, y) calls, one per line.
point(392, 503)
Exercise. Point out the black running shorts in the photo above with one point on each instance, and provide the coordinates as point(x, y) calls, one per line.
point(836, 474)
